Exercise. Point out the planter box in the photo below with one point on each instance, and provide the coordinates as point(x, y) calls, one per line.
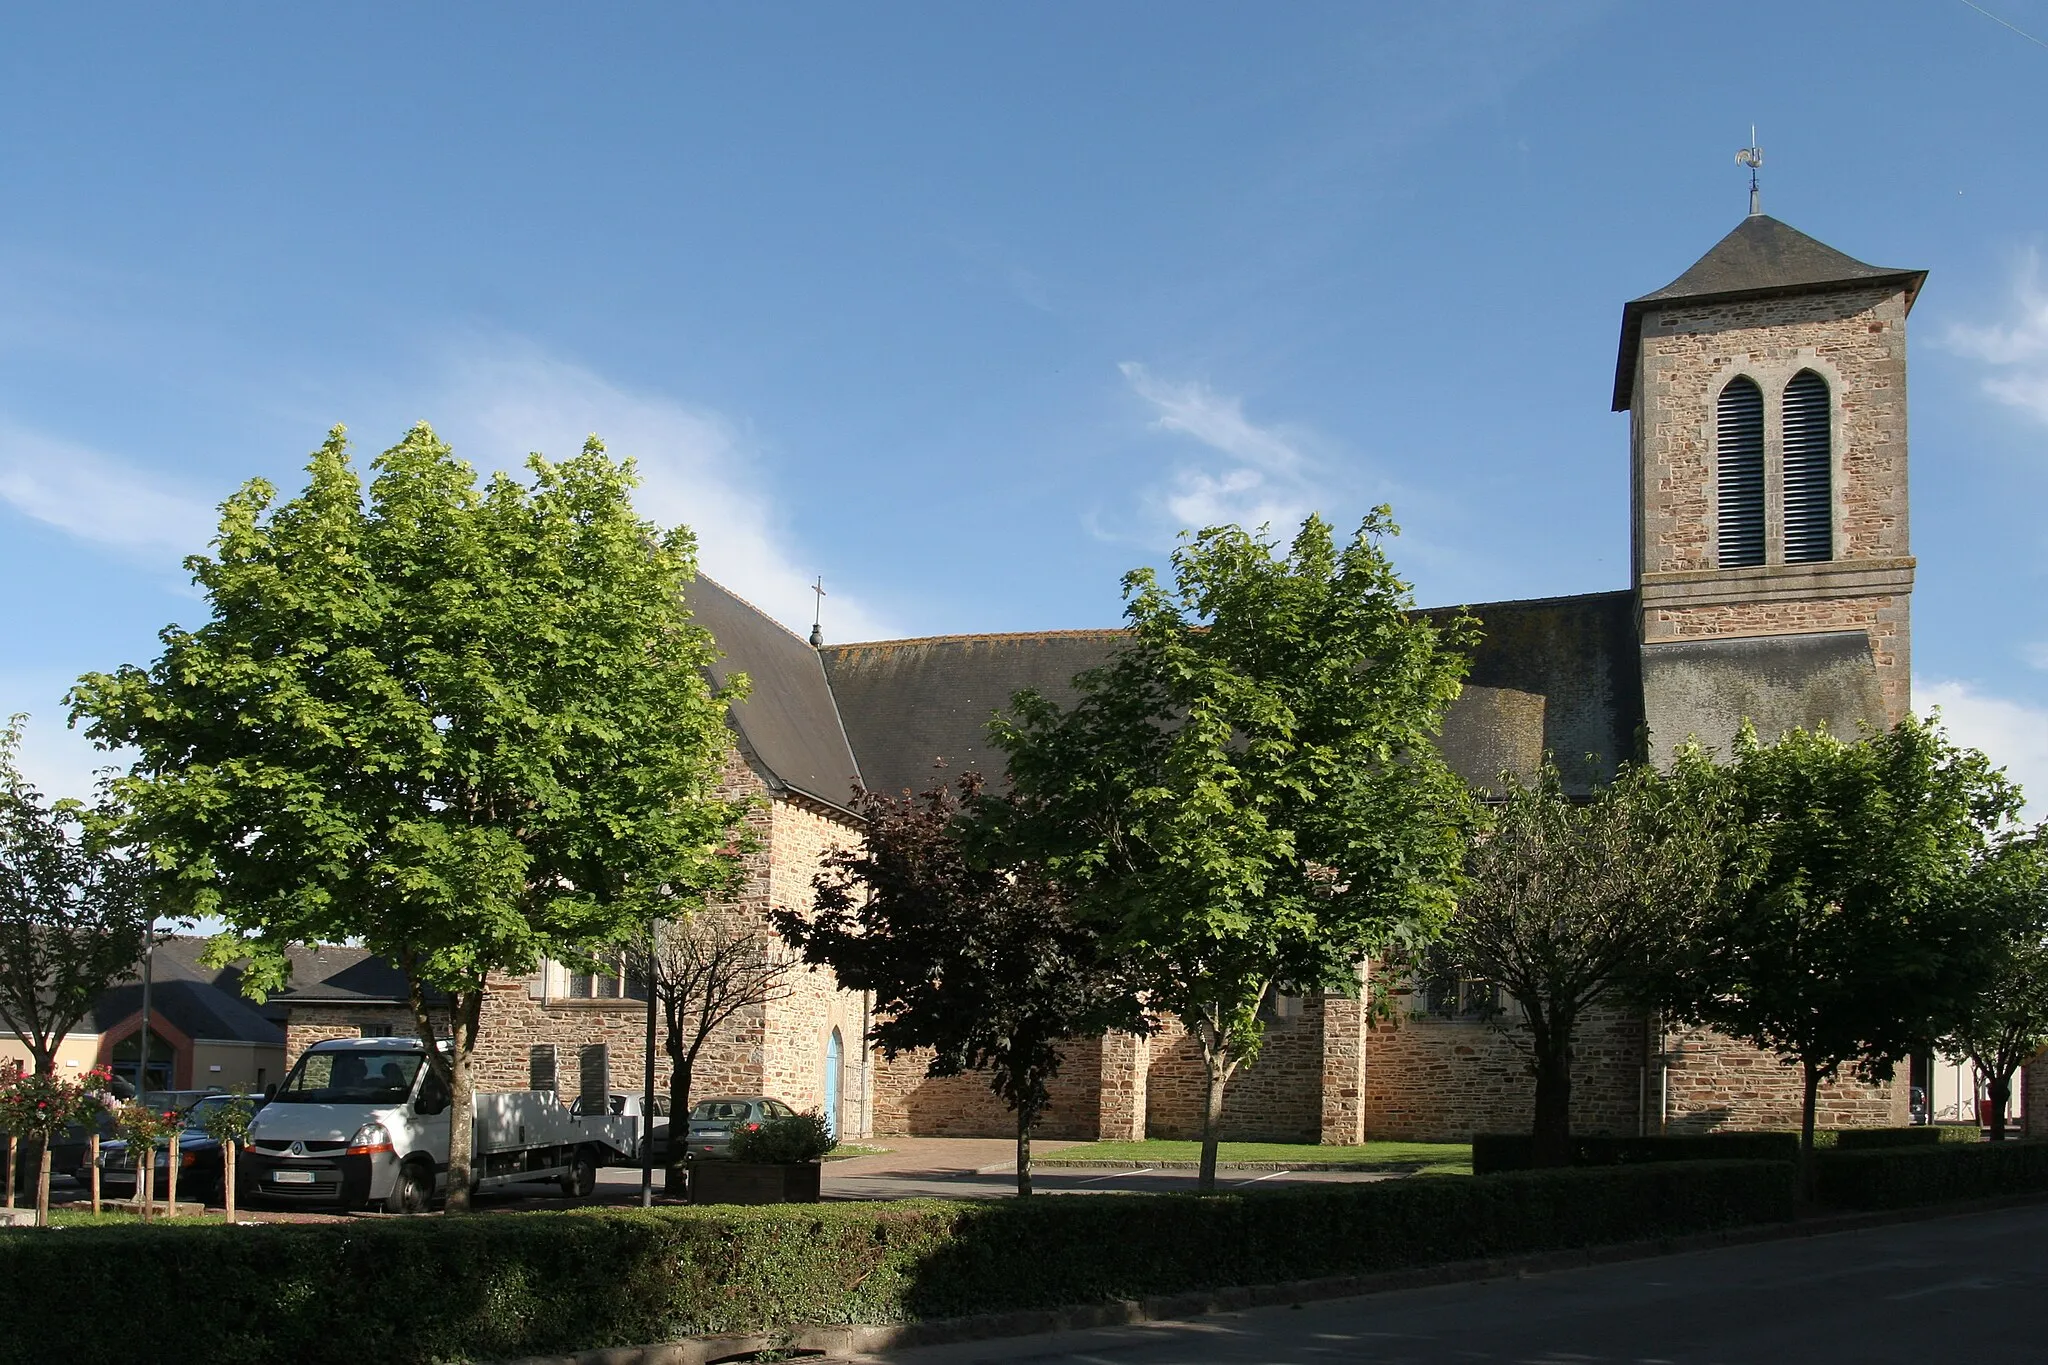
point(743, 1182)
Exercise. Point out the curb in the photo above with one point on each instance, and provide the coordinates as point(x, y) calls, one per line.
point(858, 1344)
point(1105, 1164)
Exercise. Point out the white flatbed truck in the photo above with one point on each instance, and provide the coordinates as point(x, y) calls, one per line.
point(363, 1122)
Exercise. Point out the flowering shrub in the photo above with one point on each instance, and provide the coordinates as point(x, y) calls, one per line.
point(41, 1107)
point(785, 1141)
point(145, 1127)
point(230, 1122)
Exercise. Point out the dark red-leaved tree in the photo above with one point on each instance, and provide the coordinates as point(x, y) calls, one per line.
point(977, 958)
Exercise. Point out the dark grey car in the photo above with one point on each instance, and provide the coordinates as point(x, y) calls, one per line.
point(713, 1122)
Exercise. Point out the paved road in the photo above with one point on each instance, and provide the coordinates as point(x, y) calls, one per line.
point(1962, 1288)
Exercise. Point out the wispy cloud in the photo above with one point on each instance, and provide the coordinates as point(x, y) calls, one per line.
point(2013, 733)
point(697, 468)
point(99, 498)
point(2036, 655)
point(1251, 474)
point(2017, 347)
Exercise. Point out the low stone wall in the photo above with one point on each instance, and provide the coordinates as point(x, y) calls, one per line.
point(1278, 1098)
point(910, 1103)
point(1435, 1080)
point(1716, 1083)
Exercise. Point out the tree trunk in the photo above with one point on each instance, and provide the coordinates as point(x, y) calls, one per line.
point(227, 1176)
point(1811, 1095)
point(92, 1155)
point(12, 1157)
point(1023, 1151)
point(1216, 1069)
point(171, 1176)
point(43, 1188)
point(461, 1115)
point(681, 1070)
point(145, 1180)
point(1552, 1130)
point(2001, 1096)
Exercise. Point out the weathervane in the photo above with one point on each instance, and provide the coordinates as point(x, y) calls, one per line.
point(1752, 156)
point(818, 614)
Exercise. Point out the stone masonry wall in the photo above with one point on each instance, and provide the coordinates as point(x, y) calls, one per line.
point(908, 1102)
point(1278, 1098)
point(310, 1024)
point(2034, 1097)
point(1435, 1080)
point(1854, 338)
point(1884, 619)
point(799, 1025)
point(1718, 1083)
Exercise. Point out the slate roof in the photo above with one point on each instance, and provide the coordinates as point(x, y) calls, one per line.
point(1560, 675)
point(204, 1003)
point(908, 704)
point(1761, 257)
point(789, 721)
point(333, 974)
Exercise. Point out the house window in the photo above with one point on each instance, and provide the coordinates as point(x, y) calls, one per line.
point(612, 979)
point(1739, 442)
point(1460, 998)
point(1809, 471)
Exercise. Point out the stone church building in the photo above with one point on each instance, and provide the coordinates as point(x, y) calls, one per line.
point(1771, 580)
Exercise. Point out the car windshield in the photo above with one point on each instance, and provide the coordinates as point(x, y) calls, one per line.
point(199, 1114)
point(354, 1076)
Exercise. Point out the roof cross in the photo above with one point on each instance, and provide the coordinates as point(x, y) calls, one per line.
point(818, 613)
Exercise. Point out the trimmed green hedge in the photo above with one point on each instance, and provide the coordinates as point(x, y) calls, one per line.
point(494, 1286)
point(1514, 1151)
point(1902, 1177)
point(1921, 1135)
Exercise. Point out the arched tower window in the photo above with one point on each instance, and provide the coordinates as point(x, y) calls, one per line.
point(1739, 438)
point(1809, 479)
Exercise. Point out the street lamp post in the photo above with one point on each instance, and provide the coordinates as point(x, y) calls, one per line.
point(647, 1081)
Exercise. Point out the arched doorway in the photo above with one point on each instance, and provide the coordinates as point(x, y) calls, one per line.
point(835, 1058)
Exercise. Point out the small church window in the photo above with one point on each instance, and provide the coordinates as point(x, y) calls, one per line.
point(1739, 440)
point(1809, 480)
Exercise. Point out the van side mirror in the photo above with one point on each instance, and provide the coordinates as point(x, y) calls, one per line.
point(270, 1091)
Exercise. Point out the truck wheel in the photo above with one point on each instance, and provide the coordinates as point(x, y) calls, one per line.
point(413, 1191)
point(582, 1176)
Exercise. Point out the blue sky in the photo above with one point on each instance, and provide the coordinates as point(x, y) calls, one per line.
point(971, 308)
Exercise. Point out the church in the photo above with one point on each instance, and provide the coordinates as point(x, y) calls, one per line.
point(1771, 580)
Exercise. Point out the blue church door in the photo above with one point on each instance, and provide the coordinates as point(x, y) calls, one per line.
point(834, 1057)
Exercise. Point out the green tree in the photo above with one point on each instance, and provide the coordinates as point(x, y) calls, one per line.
point(1846, 944)
point(73, 907)
point(1569, 904)
point(980, 960)
point(1248, 796)
point(2004, 1021)
point(467, 726)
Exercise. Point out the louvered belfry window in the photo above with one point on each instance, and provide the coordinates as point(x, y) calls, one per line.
point(1739, 437)
point(1809, 479)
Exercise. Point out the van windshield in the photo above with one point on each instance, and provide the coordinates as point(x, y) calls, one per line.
point(357, 1076)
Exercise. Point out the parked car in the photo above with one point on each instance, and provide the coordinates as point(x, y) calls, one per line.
point(200, 1167)
point(627, 1105)
point(713, 1122)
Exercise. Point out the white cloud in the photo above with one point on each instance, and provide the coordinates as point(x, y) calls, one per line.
point(696, 470)
point(98, 498)
point(1265, 476)
point(2014, 734)
point(2017, 347)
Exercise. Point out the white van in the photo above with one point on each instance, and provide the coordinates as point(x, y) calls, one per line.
point(364, 1122)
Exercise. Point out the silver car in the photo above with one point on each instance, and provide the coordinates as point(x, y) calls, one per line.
point(713, 1122)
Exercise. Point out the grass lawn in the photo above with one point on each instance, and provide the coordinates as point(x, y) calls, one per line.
point(1432, 1158)
point(847, 1150)
point(85, 1218)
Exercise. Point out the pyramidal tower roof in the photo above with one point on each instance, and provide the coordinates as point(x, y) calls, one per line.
point(1761, 257)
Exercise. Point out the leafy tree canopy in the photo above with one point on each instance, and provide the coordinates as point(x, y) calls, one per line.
point(464, 724)
point(2004, 1021)
point(1248, 795)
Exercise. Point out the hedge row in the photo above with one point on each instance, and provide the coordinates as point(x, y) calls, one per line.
point(1516, 1151)
point(1901, 1177)
point(504, 1285)
point(1922, 1135)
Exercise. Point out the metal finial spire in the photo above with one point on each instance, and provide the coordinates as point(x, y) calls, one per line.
point(818, 614)
point(1752, 156)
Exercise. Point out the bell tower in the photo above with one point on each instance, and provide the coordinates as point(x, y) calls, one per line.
point(1766, 393)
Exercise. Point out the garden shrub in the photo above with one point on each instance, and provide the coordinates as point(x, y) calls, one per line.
point(1514, 1151)
point(496, 1286)
point(785, 1141)
point(1902, 1177)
